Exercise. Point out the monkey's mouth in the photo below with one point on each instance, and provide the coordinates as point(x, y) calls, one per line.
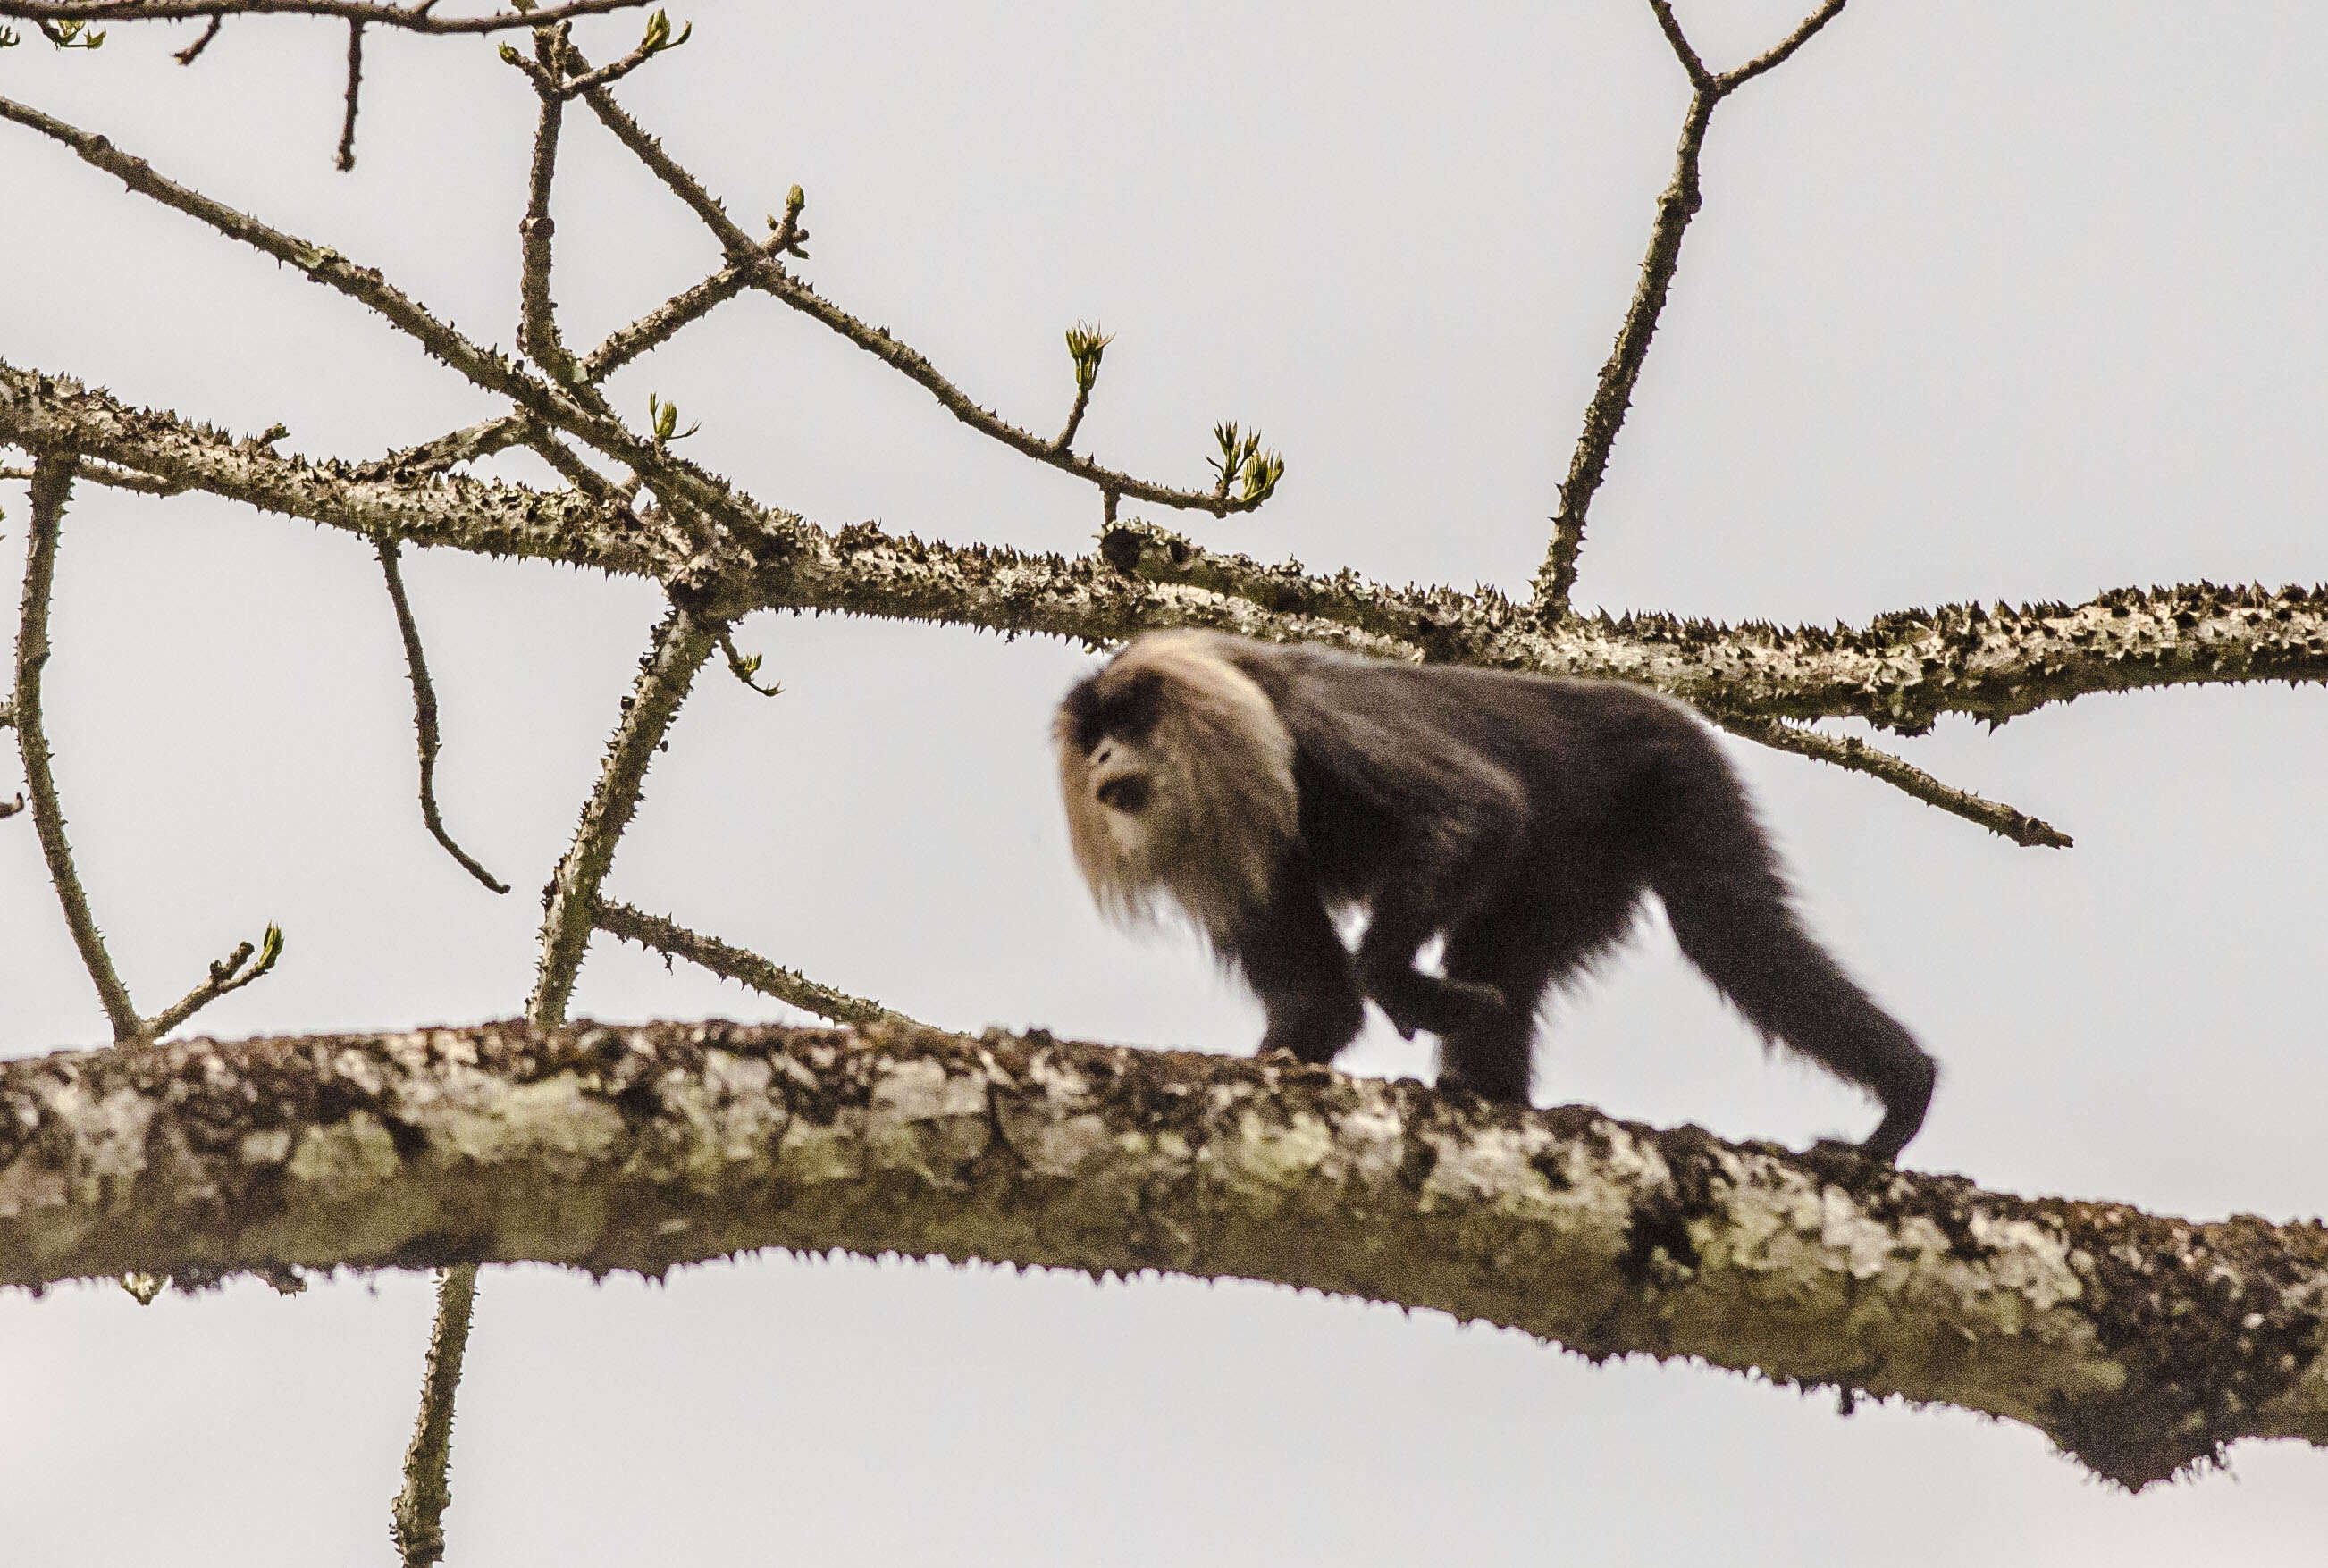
point(1129, 793)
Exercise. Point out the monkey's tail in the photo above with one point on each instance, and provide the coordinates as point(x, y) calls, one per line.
point(1734, 916)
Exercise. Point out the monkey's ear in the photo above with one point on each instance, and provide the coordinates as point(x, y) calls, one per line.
point(1133, 707)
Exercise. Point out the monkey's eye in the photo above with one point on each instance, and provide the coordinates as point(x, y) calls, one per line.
point(1129, 793)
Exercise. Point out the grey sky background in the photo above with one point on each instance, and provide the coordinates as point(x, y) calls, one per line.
point(1986, 300)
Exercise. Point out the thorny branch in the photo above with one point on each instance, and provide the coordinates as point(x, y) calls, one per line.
point(346, 158)
point(52, 487)
point(2142, 1345)
point(412, 18)
point(417, 1522)
point(1899, 671)
point(53, 477)
point(1604, 416)
point(682, 642)
point(424, 715)
point(742, 966)
point(1855, 755)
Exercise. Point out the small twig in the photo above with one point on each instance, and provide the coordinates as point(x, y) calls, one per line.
point(418, 1520)
point(1856, 755)
point(226, 974)
point(658, 38)
point(10, 808)
point(1087, 346)
point(744, 667)
point(1612, 395)
point(53, 477)
point(682, 642)
point(193, 52)
point(740, 965)
point(424, 715)
point(347, 154)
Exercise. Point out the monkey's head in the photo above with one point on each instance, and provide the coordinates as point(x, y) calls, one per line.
point(1178, 775)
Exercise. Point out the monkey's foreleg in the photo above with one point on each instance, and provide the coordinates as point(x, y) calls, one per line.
point(1294, 960)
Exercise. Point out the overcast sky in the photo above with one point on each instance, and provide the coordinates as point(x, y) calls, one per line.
point(1993, 300)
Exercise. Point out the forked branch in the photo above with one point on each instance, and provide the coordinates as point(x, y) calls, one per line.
point(1612, 396)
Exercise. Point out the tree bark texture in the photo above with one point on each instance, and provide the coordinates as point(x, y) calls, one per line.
point(2141, 1345)
point(1899, 671)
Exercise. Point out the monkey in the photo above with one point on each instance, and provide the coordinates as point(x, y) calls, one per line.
point(1523, 818)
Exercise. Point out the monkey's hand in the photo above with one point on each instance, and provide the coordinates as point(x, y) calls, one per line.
point(1414, 1001)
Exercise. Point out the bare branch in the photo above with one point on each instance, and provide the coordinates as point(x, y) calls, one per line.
point(1691, 64)
point(1612, 395)
point(741, 965)
point(577, 410)
point(412, 18)
point(1851, 753)
point(659, 325)
point(53, 477)
point(537, 315)
point(417, 1522)
point(767, 274)
point(682, 642)
point(2142, 1345)
point(423, 716)
point(346, 159)
point(193, 52)
point(1778, 55)
point(226, 974)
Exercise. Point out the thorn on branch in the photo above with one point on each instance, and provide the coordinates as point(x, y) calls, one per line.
point(193, 52)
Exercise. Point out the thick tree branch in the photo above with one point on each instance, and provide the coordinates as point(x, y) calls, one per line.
point(1899, 671)
point(2141, 1345)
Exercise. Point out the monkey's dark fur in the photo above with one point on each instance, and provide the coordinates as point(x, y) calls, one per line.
point(1263, 787)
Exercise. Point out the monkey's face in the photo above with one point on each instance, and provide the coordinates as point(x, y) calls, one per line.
point(1122, 805)
point(1178, 778)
